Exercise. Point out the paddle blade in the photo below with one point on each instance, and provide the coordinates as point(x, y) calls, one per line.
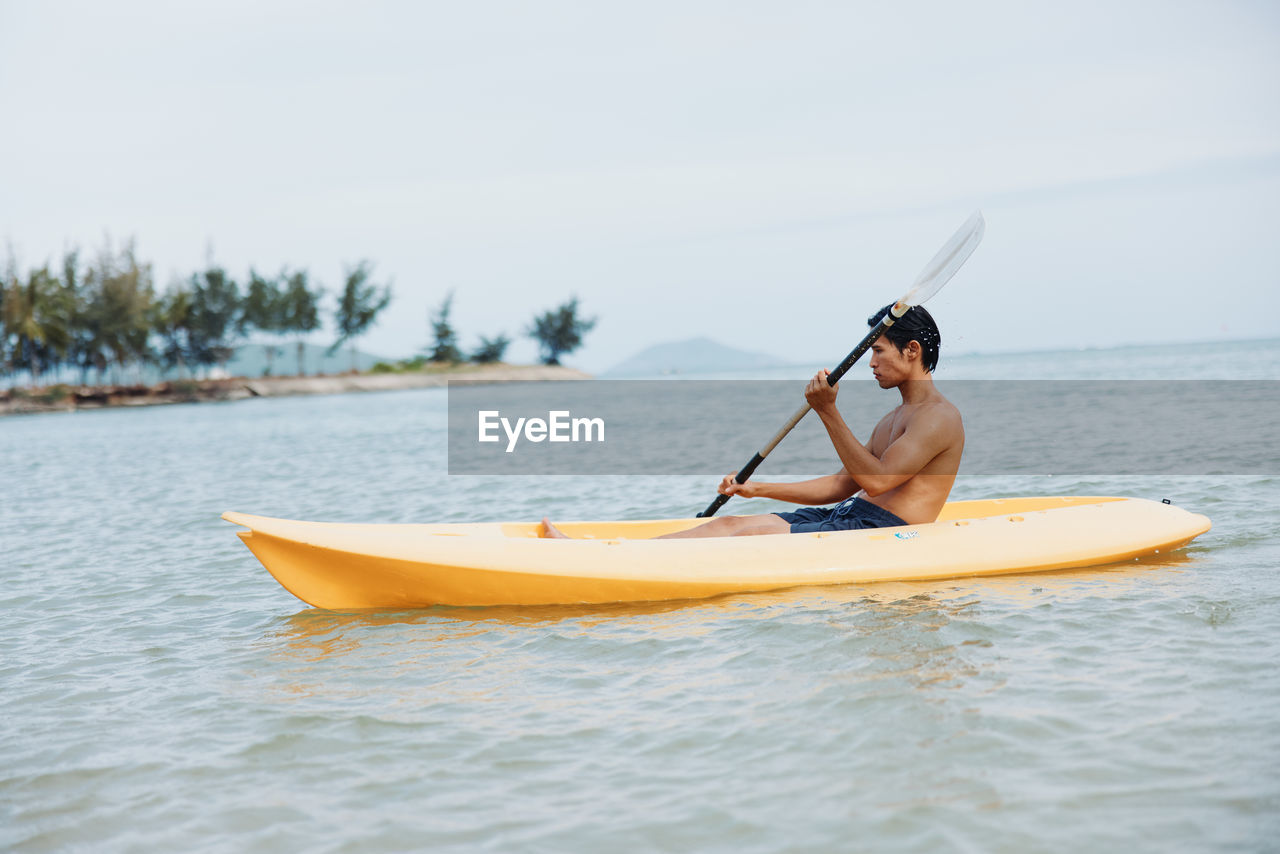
point(948, 260)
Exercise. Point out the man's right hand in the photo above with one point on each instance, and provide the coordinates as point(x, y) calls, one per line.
point(729, 486)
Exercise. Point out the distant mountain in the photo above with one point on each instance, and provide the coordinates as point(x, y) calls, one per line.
point(250, 360)
point(695, 356)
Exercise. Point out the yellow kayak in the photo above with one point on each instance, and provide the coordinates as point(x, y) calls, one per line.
point(340, 566)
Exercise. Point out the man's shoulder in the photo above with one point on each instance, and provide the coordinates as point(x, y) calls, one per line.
point(940, 414)
point(939, 407)
point(947, 408)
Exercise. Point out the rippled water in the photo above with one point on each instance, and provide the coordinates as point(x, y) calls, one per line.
point(159, 691)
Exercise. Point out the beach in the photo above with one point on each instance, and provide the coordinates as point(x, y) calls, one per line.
point(70, 398)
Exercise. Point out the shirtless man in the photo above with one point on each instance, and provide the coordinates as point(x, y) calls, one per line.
point(902, 476)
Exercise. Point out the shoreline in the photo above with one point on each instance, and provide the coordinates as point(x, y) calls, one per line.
point(69, 398)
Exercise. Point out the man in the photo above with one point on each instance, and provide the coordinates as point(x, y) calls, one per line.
point(901, 476)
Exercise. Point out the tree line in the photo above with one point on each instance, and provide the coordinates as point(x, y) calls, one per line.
point(105, 316)
point(558, 331)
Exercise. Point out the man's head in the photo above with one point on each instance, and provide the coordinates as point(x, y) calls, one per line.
point(916, 325)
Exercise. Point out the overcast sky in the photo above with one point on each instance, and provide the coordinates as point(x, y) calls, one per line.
point(764, 174)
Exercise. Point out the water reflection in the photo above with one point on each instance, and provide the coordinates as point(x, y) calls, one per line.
point(314, 634)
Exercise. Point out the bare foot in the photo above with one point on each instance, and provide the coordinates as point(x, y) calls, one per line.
point(546, 529)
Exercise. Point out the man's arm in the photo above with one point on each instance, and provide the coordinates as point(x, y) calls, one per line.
point(928, 435)
point(819, 490)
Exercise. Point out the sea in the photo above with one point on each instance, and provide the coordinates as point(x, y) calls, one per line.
point(159, 691)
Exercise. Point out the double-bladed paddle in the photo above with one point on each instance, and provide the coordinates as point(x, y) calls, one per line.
point(931, 279)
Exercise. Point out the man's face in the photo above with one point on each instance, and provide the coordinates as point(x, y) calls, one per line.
point(889, 365)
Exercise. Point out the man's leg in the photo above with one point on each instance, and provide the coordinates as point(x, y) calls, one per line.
point(723, 526)
point(734, 526)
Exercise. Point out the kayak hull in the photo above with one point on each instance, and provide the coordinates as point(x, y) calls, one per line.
point(348, 566)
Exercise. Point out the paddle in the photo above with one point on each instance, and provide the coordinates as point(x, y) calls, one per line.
point(931, 279)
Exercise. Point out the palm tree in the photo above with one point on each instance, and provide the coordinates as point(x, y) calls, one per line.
point(37, 319)
point(445, 345)
point(121, 296)
point(9, 281)
point(359, 305)
point(81, 351)
point(172, 322)
point(300, 310)
point(560, 331)
point(264, 311)
point(490, 350)
point(215, 315)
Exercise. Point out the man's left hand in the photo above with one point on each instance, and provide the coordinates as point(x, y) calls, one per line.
point(819, 393)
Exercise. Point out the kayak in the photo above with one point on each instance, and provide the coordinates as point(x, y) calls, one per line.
point(344, 566)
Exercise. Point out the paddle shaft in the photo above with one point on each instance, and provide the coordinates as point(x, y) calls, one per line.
point(832, 378)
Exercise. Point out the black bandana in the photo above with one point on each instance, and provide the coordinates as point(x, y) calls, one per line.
point(916, 325)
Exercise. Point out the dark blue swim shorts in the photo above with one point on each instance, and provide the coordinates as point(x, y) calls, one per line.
point(849, 515)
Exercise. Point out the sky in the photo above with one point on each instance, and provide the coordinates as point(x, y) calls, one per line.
point(762, 174)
